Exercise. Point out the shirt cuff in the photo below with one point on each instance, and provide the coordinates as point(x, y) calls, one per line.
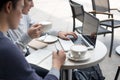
point(54, 33)
point(55, 72)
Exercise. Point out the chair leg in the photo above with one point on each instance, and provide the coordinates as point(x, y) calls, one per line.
point(73, 24)
point(117, 74)
point(105, 33)
point(111, 46)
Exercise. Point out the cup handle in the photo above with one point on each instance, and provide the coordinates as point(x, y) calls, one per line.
point(79, 54)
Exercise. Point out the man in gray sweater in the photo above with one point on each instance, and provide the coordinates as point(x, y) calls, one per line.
point(13, 65)
point(28, 30)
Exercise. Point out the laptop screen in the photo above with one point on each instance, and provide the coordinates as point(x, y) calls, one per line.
point(90, 28)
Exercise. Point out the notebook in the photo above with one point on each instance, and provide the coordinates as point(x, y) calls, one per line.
point(38, 56)
point(35, 44)
point(88, 36)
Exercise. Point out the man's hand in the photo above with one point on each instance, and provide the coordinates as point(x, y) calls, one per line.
point(63, 35)
point(35, 31)
point(58, 59)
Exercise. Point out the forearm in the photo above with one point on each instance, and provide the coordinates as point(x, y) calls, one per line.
point(54, 33)
point(25, 39)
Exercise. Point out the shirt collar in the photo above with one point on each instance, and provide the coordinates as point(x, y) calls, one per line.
point(22, 22)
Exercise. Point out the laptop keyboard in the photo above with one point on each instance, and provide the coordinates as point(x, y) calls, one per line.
point(66, 44)
point(79, 40)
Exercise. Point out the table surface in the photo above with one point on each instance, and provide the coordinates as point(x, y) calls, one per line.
point(44, 57)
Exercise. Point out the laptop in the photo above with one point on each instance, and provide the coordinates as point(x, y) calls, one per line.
point(89, 32)
point(88, 36)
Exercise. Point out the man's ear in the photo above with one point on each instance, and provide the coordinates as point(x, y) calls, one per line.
point(8, 7)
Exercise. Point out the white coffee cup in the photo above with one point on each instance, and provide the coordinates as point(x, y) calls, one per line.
point(78, 51)
point(46, 25)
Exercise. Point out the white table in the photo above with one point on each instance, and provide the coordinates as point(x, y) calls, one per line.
point(97, 55)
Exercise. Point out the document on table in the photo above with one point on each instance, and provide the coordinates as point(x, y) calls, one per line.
point(38, 56)
point(45, 63)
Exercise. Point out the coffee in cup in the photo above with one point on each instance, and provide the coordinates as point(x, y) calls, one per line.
point(78, 51)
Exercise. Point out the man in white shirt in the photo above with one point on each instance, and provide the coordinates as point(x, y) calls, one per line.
point(28, 30)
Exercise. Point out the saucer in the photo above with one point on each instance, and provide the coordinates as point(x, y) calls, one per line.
point(48, 38)
point(85, 58)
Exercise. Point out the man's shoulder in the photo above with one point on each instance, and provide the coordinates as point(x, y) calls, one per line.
point(6, 45)
point(3, 39)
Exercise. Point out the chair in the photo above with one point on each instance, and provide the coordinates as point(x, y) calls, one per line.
point(117, 73)
point(103, 7)
point(78, 12)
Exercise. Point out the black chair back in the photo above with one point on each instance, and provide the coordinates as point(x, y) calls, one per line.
point(101, 5)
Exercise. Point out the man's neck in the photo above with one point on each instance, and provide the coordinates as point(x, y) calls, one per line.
point(3, 23)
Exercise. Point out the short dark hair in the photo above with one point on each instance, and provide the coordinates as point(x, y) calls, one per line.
point(3, 2)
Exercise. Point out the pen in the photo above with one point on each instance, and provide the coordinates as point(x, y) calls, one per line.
point(56, 49)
